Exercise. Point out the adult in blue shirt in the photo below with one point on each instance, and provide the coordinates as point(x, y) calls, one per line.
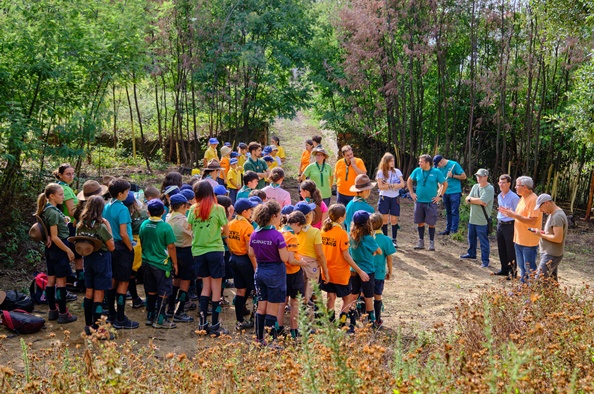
point(453, 173)
point(505, 228)
point(431, 184)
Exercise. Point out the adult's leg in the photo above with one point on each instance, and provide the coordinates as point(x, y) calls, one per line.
point(454, 211)
point(471, 252)
point(520, 260)
point(447, 202)
point(481, 232)
point(502, 249)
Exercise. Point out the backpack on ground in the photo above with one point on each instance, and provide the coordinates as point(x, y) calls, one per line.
point(37, 288)
point(12, 300)
point(22, 322)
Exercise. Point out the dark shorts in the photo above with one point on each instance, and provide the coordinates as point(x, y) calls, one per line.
point(211, 264)
point(243, 272)
point(379, 287)
point(340, 290)
point(72, 229)
point(389, 206)
point(57, 261)
point(186, 270)
point(295, 284)
point(271, 282)
point(425, 212)
point(228, 268)
point(157, 281)
point(358, 286)
point(98, 271)
point(121, 262)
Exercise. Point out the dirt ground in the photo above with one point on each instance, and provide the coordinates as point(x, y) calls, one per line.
point(426, 287)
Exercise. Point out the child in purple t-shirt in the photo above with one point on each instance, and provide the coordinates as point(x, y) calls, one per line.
point(268, 246)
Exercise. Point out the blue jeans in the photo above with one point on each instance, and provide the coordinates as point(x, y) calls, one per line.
point(525, 256)
point(452, 206)
point(343, 199)
point(475, 231)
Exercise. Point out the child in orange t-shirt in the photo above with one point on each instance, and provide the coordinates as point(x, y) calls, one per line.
point(292, 223)
point(225, 164)
point(335, 244)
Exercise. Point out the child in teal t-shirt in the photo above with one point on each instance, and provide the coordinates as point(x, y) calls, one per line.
point(381, 261)
point(362, 187)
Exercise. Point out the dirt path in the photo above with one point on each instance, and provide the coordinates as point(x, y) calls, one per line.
point(426, 287)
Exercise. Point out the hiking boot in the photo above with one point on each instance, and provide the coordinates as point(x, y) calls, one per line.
point(53, 314)
point(192, 296)
point(244, 325)
point(444, 233)
point(432, 245)
point(137, 303)
point(165, 325)
point(65, 318)
point(467, 257)
point(190, 306)
point(169, 313)
point(420, 245)
point(182, 318)
point(125, 324)
point(216, 330)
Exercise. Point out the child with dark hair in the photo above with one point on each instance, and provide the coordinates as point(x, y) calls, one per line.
point(362, 187)
point(268, 247)
point(381, 261)
point(225, 202)
point(97, 264)
point(256, 164)
point(122, 258)
point(258, 193)
point(250, 182)
point(210, 228)
point(186, 271)
point(244, 266)
point(151, 193)
point(335, 244)
point(58, 254)
point(362, 249)
point(274, 191)
point(159, 259)
point(138, 217)
point(292, 223)
point(311, 194)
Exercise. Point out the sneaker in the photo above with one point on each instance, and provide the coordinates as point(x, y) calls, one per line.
point(125, 324)
point(244, 325)
point(190, 306)
point(137, 303)
point(182, 318)
point(71, 296)
point(395, 243)
point(65, 318)
point(216, 330)
point(166, 325)
point(467, 256)
point(128, 295)
point(192, 296)
point(444, 233)
point(420, 244)
point(53, 315)
point(169, 313)
point(485, 265)
point(432, 245)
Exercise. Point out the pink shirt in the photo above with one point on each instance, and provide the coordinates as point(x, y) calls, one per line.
point(324, 208)
point(277, 194)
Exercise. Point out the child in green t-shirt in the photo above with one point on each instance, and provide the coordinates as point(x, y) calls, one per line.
point(381, 261)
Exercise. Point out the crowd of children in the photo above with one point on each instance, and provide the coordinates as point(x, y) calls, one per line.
point(234, 223)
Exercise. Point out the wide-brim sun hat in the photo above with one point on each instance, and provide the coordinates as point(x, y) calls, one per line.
point(315, 151)
point(91, 188)
point(362, 182)
point(213, 165)
point(85, 245)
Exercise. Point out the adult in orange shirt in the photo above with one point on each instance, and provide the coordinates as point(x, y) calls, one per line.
point(305, 156)
point(345, 172)
point(525, 242)
point(335, 244)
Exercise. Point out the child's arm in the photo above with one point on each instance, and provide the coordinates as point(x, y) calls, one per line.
point(389, 264)
point(225, 232)
point(293, 260)
point(251, 255)
point(232, 182)
point(321, 257)
point(173, 256)
point(347, 256)
point(124, 234)
point(284, 254)
point(58, 242)
point(378, 251)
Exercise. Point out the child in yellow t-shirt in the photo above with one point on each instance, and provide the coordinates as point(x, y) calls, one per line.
point(233, 179)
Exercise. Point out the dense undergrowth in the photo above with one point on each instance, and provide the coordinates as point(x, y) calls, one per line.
point(533, 339)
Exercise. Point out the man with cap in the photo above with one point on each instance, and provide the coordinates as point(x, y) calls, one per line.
point(362, 189)
point(525, 217)
point(505, 228)
point(345, 172)
point(211, 152)
point(480, 198)
point(256, 164)
point(552, 238)
point(431, 185)
point(453, 173)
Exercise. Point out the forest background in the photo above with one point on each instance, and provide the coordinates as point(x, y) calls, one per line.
point(505, 85)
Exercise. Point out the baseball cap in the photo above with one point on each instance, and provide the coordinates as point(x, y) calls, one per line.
point(437, 159)
point(244, 203)
point(542, 199)
point(287, 209)
point(220, 190)
point(185, 186)
point(233, 161)
point(361, 217)
point(482, 172)
point(188, 194)
point(171, 190)
point(256, 199)
point(213, 141)
point(155, 206)
point(304, 207)
point(269, 158)
point(178, 199)
point(227, 144)
point(234, 154)
point(266, 150)
point(129, 200)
